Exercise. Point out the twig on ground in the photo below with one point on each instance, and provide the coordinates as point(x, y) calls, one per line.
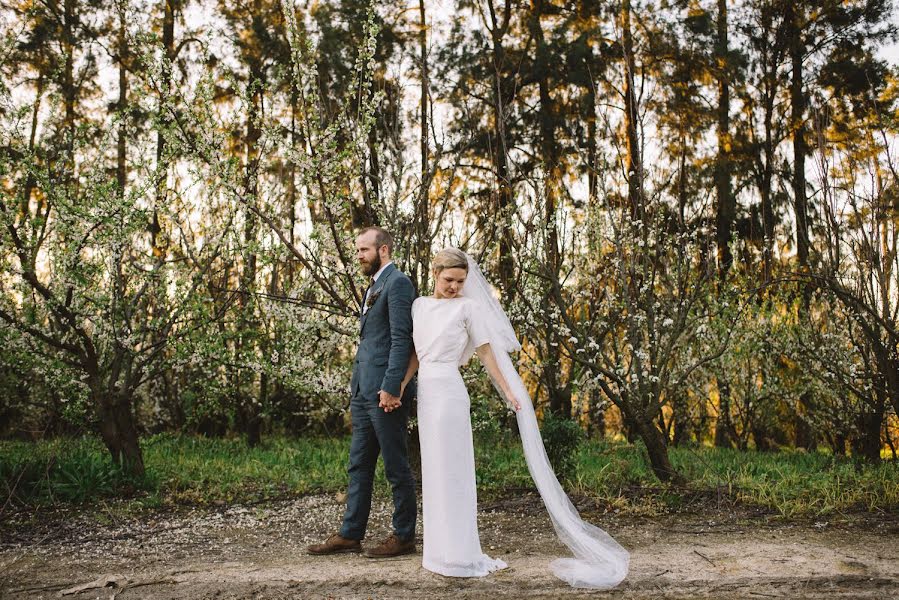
point(118, 581)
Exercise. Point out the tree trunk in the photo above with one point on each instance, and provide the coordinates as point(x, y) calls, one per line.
point(681, 417)
point(866, 444)
point(631, 117)
point(559, 393)
point(804, 435)
point(363, 215)
point(726, 206)
point(246, 321)
point(891, 380)
point(121, 158)
point(30, 182)
point(724, 427)
point(168, 44)
point(67, 166)
point(254, 423)
point(592, 166)
point(420, 253)
point(765, 193)
point(597, 422)
point(69, 90)
point(839, 444)
point(500, 153)
point(797, 125)
point(702, 423)
point(657, 450)
point(422, 250)
point(119, 433)
point(761, 437)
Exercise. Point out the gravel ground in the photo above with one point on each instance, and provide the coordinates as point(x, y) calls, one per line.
point(257, 551)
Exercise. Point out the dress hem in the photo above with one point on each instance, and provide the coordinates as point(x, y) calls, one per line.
point(480, 569)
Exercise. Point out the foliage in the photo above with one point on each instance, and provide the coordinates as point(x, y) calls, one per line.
point(68, 471)
point(195, 470)
point(561, 437)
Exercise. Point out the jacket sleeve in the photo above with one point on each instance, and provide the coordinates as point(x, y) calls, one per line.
point(399, 313)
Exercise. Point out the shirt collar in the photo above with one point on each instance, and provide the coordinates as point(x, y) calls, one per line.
point(381, 270)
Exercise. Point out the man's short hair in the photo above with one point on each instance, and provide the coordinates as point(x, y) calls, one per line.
point(382, 237)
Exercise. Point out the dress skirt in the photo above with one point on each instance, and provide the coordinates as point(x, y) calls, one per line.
point(452, 546)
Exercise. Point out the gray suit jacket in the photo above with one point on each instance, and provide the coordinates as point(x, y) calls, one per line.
point(385, 338)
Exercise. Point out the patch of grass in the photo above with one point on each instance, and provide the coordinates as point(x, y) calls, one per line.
point(196, 470)
point(62, 470)
point(796, 483)
point(499, 465)
point(790, 483)
point(202, 470)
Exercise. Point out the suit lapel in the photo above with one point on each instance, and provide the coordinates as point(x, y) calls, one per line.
point(376, 289)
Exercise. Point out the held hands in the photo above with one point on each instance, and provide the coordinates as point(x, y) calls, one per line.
point(389, 402)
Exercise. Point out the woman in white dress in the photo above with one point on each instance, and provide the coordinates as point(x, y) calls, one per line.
point(448, 328)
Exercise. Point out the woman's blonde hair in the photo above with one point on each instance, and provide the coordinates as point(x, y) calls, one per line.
point(449, 258)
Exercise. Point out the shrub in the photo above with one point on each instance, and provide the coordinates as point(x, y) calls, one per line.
point(562, 438)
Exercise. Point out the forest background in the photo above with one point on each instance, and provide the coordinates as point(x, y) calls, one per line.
point(690, 210)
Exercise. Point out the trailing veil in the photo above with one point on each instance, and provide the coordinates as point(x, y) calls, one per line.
point(599, 561)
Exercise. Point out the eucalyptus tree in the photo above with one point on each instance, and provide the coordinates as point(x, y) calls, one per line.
point(760, 130)
point(684, 64)
point(858, 255)
point(339, 29)
point(818, 32)
point(815, 30)
point(479, 66)
point(253, 84)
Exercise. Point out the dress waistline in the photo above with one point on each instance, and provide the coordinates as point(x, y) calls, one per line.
point(438, 365)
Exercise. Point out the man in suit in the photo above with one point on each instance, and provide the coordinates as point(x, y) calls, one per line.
point(379, 415)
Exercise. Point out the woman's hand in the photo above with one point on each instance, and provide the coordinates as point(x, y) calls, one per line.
point(513, 401)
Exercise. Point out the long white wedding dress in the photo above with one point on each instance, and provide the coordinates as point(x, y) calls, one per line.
point(446, 333)
point(442, 329)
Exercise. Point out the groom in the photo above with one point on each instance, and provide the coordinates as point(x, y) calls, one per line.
point(379, 415)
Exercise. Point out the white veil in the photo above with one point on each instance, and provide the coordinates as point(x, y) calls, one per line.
point(599, 561)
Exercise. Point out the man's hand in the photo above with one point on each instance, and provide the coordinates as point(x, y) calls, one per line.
point(388, 402)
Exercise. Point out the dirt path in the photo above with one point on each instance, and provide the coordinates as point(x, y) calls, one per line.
point(257, 552)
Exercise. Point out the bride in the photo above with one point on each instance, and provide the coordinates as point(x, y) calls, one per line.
point(461, 318)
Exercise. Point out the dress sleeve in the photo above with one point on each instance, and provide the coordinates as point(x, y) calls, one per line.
point(474, 324)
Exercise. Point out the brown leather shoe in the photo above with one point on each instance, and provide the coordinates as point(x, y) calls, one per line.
point(392, 546)
point(336, 544)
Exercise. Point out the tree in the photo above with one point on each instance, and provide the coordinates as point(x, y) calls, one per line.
point(859, 266)
point(79, 272)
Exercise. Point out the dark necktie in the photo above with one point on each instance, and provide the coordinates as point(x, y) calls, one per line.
point(371, 284)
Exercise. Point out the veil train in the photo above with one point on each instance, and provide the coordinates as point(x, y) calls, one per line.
point(599, 561)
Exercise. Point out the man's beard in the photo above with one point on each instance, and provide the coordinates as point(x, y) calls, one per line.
point(373, 267)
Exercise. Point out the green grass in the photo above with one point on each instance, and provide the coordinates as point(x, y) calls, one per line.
point(790, 483)
point(203, 470)
point(200, 471)
point(179, 470)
